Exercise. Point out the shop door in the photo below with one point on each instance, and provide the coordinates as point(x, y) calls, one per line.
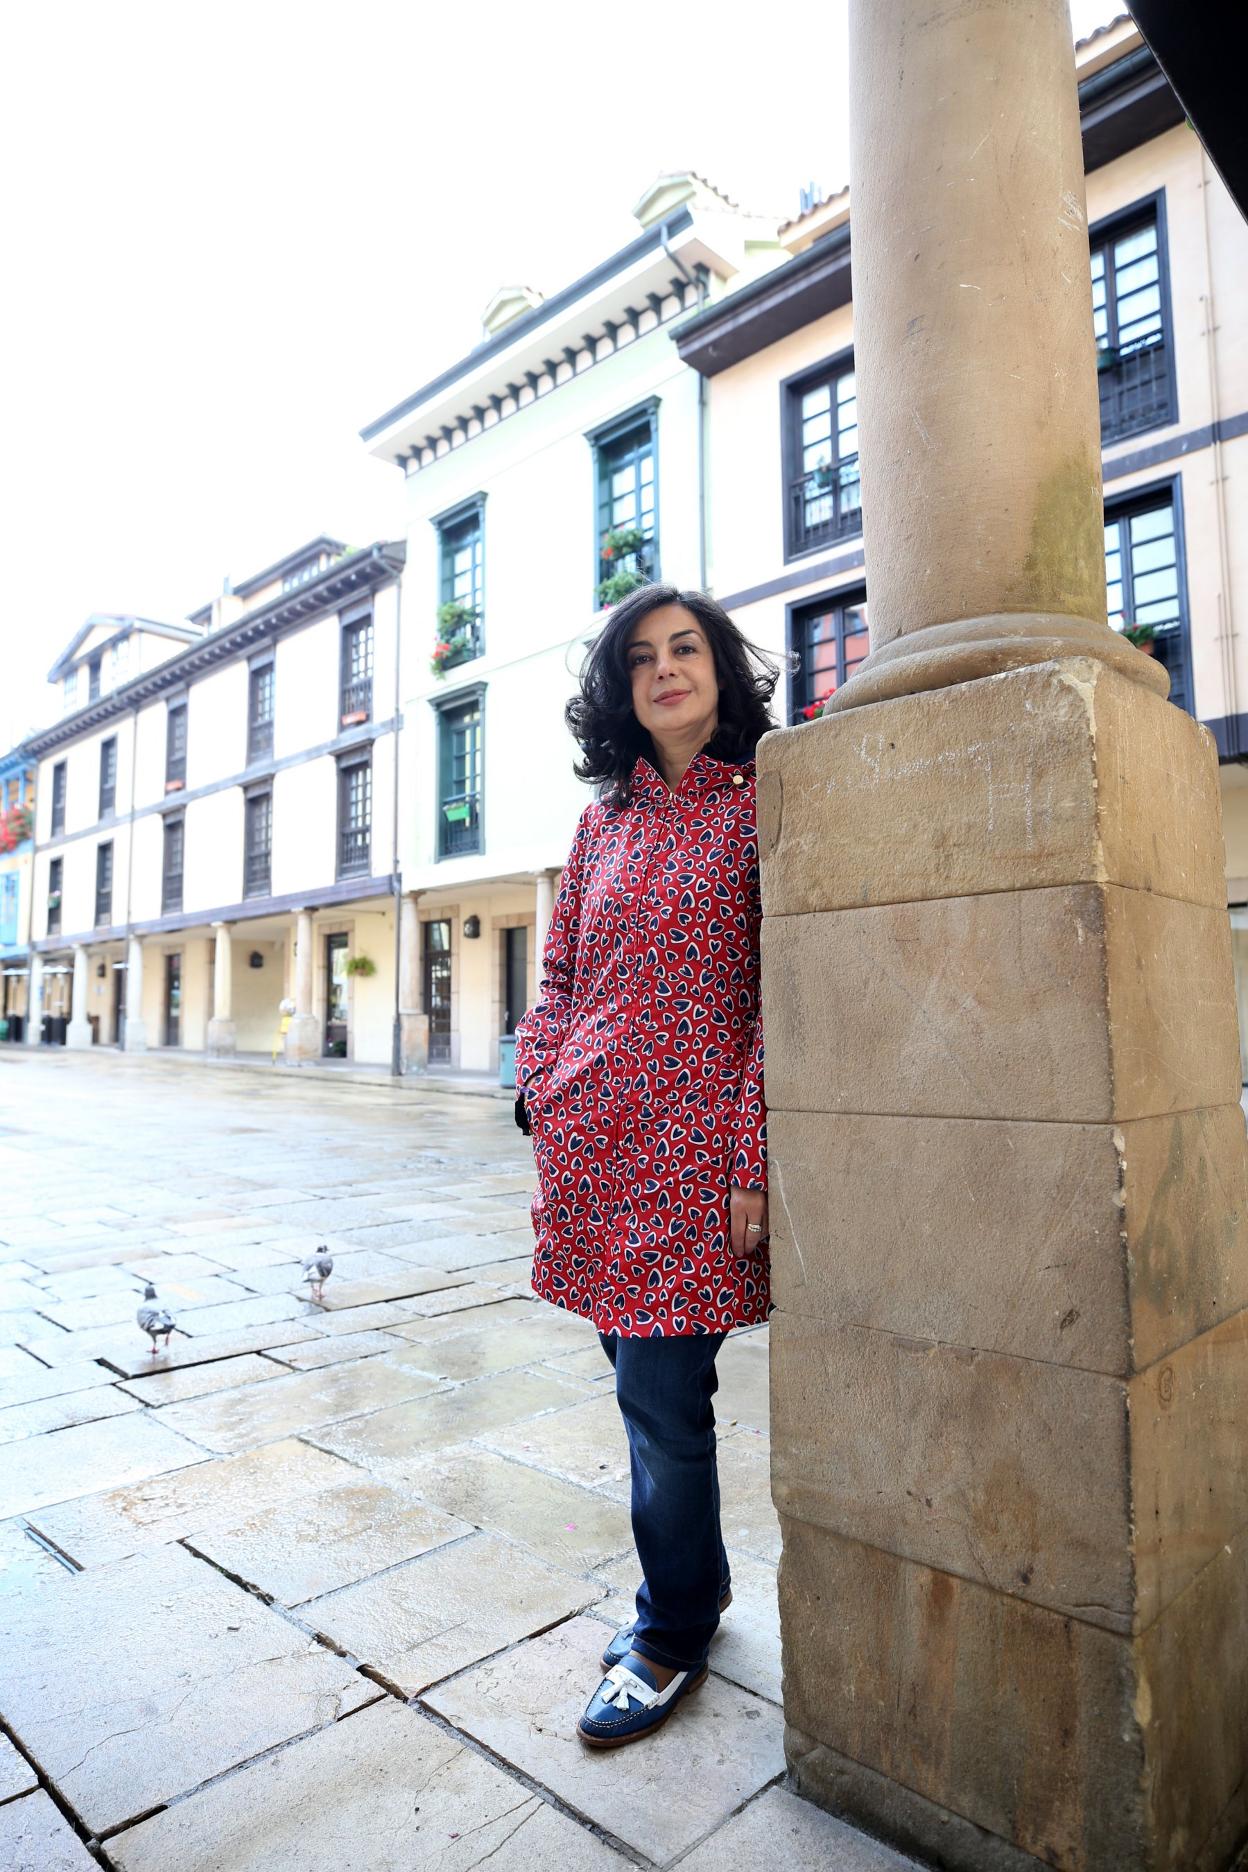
point(336, 997)
point(515, 977)
point(438, 990)
point(119, 1006)
point(173, 1000)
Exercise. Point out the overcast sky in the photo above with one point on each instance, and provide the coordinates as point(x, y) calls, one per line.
point(236, 233)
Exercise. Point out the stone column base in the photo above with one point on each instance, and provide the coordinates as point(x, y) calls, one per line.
point(78, 1034)
point(414, 1041)
point(303, 1039)
point(220, 1037)
point(135, 1032)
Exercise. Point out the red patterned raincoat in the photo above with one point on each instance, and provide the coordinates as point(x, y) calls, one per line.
point(642, 1063)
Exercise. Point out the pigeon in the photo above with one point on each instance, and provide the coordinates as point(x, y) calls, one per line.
point(317, 1269)
point(157, 1321)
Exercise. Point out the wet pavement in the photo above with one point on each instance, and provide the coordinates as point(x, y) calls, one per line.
point(325, 1584)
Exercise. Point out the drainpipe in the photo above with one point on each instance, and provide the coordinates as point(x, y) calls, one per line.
point(1226, 604)
point(119, 1039)
point(396, 1038)
point(699, 285)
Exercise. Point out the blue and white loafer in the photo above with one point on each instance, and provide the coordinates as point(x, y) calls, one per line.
point(622, 1643)
point(628, 1703)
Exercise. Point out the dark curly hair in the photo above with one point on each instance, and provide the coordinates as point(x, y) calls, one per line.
point(601, 716)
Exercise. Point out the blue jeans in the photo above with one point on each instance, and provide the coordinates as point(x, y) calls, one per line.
point(664, 1389)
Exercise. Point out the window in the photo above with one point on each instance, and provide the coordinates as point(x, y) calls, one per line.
point(93, 679)
point(461, 606)
point(104, 884)
point(830, 638)
point(8, 908)
point(171, 868)
point(823, 494)
point(260, 713)
point(56, 871)
point(459, 778)
point(175, 747)
point(60, 776)
point(1143, 585)
point(627, 542)
point(71, 690)
point(121, 661)
point(108, 776)
point(355, 817)
point(357, 672)
point(1130, 316)
point(258, 843)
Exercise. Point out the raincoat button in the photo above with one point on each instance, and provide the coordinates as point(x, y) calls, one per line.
point(738, 779)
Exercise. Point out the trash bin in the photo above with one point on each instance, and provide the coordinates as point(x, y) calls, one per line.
point(507, 1060)
point(4, 1027)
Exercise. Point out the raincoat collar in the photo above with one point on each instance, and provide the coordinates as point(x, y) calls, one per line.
point(703, 773)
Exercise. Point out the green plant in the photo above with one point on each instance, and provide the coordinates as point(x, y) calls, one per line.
point(361, 965)
point(454, 616)
point(456, 639)
point(620, 541)
point(617, 585)
point(1138, 634)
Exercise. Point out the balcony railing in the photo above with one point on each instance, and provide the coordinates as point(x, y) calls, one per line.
point(257, 873)
point(461, 825)
point(354, 855)
point(825, 504)
point(171, 893)
point(104, 908)
point(357, 700)
point(1135, 389)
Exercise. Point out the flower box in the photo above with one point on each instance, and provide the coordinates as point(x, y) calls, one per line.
point(458, 811)
point(353, 719)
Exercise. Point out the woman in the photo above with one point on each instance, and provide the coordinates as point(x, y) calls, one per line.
point(641, 1070)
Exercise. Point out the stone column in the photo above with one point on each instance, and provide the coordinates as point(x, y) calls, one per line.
point(413, 1024)
point(1009, 1187)
point(303, 1040)
point(220, 1039)
point(543, 905)
point(136, 1026)
point(34, 1011)
point(78, 1033)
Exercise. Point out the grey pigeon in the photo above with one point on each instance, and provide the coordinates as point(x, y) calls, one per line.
point(317, 1268)
point(157, 1321)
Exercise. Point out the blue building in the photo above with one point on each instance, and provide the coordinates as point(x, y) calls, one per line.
point(17, 846)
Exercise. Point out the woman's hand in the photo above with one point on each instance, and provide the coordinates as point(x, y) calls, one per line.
point(747, 1207)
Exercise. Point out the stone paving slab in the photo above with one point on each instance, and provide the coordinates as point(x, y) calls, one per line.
point(570, 1527)
point(411, 1283)
point(34, 1838)
point(418, 1623)
point(63, 1413)
point(132, 1361)
point(315, 1544)
point(118, 1522)
point(387, 1777)
point(476, 1355)
point(193, 1381)
point(454, 1298)
point(742, 1397)
point(117, 1308)
point(586, 1444)
point(32, 1381)
point(463, 1251)
point(229, 1422)
point(384, 1441)
point(23, 1561)
point(91, 1456)
point(485, 1314)
point(718, 1749)
point(337, 1348)
point(147, 1677)
point(780, 1830)
point(16, 1774)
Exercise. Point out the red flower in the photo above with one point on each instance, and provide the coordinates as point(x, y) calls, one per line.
point(608, 552)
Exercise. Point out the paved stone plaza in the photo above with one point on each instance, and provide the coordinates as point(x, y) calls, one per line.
point(325, 1585)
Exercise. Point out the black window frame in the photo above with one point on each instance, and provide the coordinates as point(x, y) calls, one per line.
point(606, 442)
point(1173, 647)
point(355, 685)
point(465, 519)
point(95, 667)
point(104, 884)
point(449, 841)
point(838, 599)
point(261, 680)
point(176, 710)
point(798, 488)
point(108, 776)
point(171, 877)
point(355, 836)
point(60, 793)
point(257, 856)
point(56, 886)
point(1120, 381)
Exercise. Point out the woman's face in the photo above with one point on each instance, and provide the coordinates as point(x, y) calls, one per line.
point(672, 671)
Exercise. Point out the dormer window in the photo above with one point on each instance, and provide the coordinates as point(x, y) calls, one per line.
point(93, 678)
point(71, 689)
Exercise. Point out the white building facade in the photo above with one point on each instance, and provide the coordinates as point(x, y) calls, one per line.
point(215, 831)
point(564, 450)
